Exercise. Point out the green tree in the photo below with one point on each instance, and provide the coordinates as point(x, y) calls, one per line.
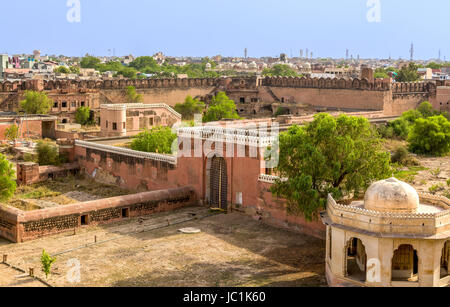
point(128, 72)
point(47, 153)
point(132, 96)
point(36, 103)
point(190, 107)
point(380, 73)
point(280, 70)
point(434, 65)
point(402, 126)
point(339, 156)
point(7, 179)
point(89, 62)
point(47, 262)
point(220, 108)
point(157, 140)
point(144, 62)
point(408, 73)
point(12, 133)
point(430, 136)
point(62, 70)
point(83, 116)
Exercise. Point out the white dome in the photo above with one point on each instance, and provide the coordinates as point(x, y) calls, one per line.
point(391, 195)
point(208, 65)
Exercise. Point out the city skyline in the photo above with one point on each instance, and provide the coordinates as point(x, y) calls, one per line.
point(265, 28)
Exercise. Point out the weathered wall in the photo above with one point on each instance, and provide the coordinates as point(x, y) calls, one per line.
point(129, 172)
point(442, 100)
point(20, 226)
point(333, 98)
point(169, 96)
point(33, 129)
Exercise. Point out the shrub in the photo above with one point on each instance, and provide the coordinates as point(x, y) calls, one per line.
point(12, 133)
point(426, 109)
point(221, 107)
point(7, 179)
point(189, 108)
point(158, 140)
point(47, 153)
point(430, 136)
point(47, 262)
point(436, 188)
point(132, 96)
point(400, 155)
point(386, 132)
point(281, 111)
point(36, 103)
point(401, 128)
point(83, 116)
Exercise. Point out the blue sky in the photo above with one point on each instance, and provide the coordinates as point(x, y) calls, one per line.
point(210, 27)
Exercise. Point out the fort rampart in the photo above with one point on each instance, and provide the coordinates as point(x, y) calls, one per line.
point(351, 94)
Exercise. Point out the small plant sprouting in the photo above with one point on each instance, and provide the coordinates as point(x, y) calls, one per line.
point(47, 262)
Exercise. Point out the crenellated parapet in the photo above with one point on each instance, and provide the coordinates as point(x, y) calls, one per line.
point(86, 85)
point(413, 88)
point(327, 83)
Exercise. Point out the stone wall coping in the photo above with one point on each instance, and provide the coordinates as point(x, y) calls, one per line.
point(351, 209)
point(270, 178)
point(127, 106)
point(114, 202)
point(229, 135)
point(128, 152)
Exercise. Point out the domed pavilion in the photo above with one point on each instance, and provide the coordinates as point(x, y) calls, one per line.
point(395, 237)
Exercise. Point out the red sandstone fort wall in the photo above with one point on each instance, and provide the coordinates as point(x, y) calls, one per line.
point(169, 96)
point(333, 98)
point(127, 171)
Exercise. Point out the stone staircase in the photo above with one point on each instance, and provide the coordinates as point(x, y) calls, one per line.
point(271, 93)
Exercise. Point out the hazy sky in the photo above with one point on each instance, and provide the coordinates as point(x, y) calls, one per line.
point(210, 27)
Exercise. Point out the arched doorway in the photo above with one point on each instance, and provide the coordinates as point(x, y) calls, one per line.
point(445, 260)
point(218, 183)
point(405, 264)
point(356, 260)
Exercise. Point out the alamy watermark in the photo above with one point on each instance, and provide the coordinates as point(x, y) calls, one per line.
point(247, 140)
point(74, 12)
point(73, 275)
point(374, 12)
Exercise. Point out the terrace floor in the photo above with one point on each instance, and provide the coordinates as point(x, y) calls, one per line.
point(231, 250)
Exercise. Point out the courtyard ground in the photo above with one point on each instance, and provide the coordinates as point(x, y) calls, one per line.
point(231, 250)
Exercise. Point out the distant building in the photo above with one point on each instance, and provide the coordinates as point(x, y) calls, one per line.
point(130, 119)
point(425, 73)
point(4, 63)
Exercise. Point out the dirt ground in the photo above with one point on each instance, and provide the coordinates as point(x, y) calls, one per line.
point(434, 176)
point(231, 250)
point(10, 277)
point(429, 176)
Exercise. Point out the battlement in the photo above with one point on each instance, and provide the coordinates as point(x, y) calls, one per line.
point(295, 82)
point(80, 85)
point(322, 83)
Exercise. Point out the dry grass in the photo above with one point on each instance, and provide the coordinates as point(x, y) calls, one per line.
point(59, 191)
